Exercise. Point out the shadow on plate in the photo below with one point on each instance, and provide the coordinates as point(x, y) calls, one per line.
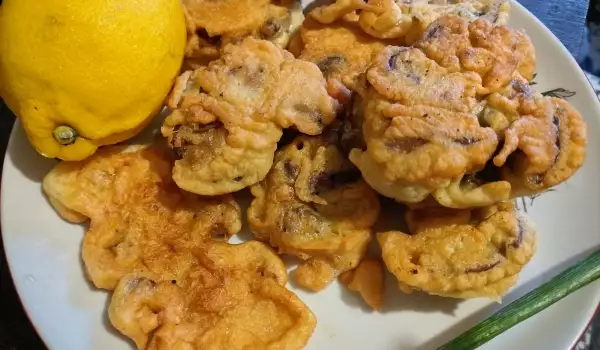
point(482, 314)
point(391, 217)
point(82, 268)
point(394, 300)
point(108, 327)
point(244, 198)
point(26, 159)
point(82, 301)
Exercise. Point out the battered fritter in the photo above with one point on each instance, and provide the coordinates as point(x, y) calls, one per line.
point(503, 107)
point(176, 286)
point(544, 138)
point(341, 50)
point(418, 132)
point(496, 53)
point(228, 117)
point(473, 191)
point(406, 76)
point(460, 253)
point(214, 24)
point(407, 20)
point(233, 297)
point(544, 149)
point(140, 220)
point(314, 205)
point(367, 280)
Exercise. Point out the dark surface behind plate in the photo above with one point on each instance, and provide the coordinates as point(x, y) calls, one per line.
point(566, 19)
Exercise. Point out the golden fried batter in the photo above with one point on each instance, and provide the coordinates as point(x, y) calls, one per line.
point(314, 205)
point(214, 24)
point(233, 297)
point(421, 149)
point(418, 135)
point(328, 14)
point(407, 20)
point(341, 50)
point(229, 116)
point(175, 286)
point(367, 280)
point(544, 138)
point(545, 149)
point(496, 53)
point(140, 220)
point(472, 191)
point(460, 254)
point(507, 105)
point(406, 76)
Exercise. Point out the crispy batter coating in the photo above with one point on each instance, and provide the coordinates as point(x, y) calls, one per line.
point(374, 174)
point(428, 145)
point(407, 20)
point(409, 156)
point(367, 280)
point(175, 286)
point(229, 116)
point(496, 53)
point(472, 191)
point(233, 297)
point(541, 151)
point(214, 24)
point(328, 14)
point(341, 50)
point(460, 254)
point(543, 144)
point(544, 138)
point(406, 76)
point(314, 205)
point(418, 133)
point(507, 105)
point(140, 220)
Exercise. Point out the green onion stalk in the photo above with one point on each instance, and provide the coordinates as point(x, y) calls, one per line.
point(581, 274)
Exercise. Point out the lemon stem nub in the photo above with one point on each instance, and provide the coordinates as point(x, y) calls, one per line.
point(65, 135)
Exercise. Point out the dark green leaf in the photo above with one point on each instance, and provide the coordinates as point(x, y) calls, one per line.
point(560, 93)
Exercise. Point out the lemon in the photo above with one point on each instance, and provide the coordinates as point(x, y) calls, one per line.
point(80, 74)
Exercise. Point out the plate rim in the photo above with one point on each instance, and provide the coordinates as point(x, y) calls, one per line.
point(28, 308)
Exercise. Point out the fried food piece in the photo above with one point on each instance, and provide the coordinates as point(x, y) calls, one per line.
point(496, 53)
point(419, 137)
point(407, 20)
point(233, 297)
point(140, 220)
point(460, 254)
point(328, 14)
point(214, 24)
point(367, 280)
point(66, 213)
point(228, 117)
point(406, 76)
point(412, 151)
point(544, 144)
point(175, 286)
point(545, 138)
point(544, 150)
point(507, 105)
point(313, 204)
point(472, 191)
point(341, 50)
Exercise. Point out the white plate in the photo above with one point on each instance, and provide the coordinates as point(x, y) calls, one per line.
point(44, 254)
